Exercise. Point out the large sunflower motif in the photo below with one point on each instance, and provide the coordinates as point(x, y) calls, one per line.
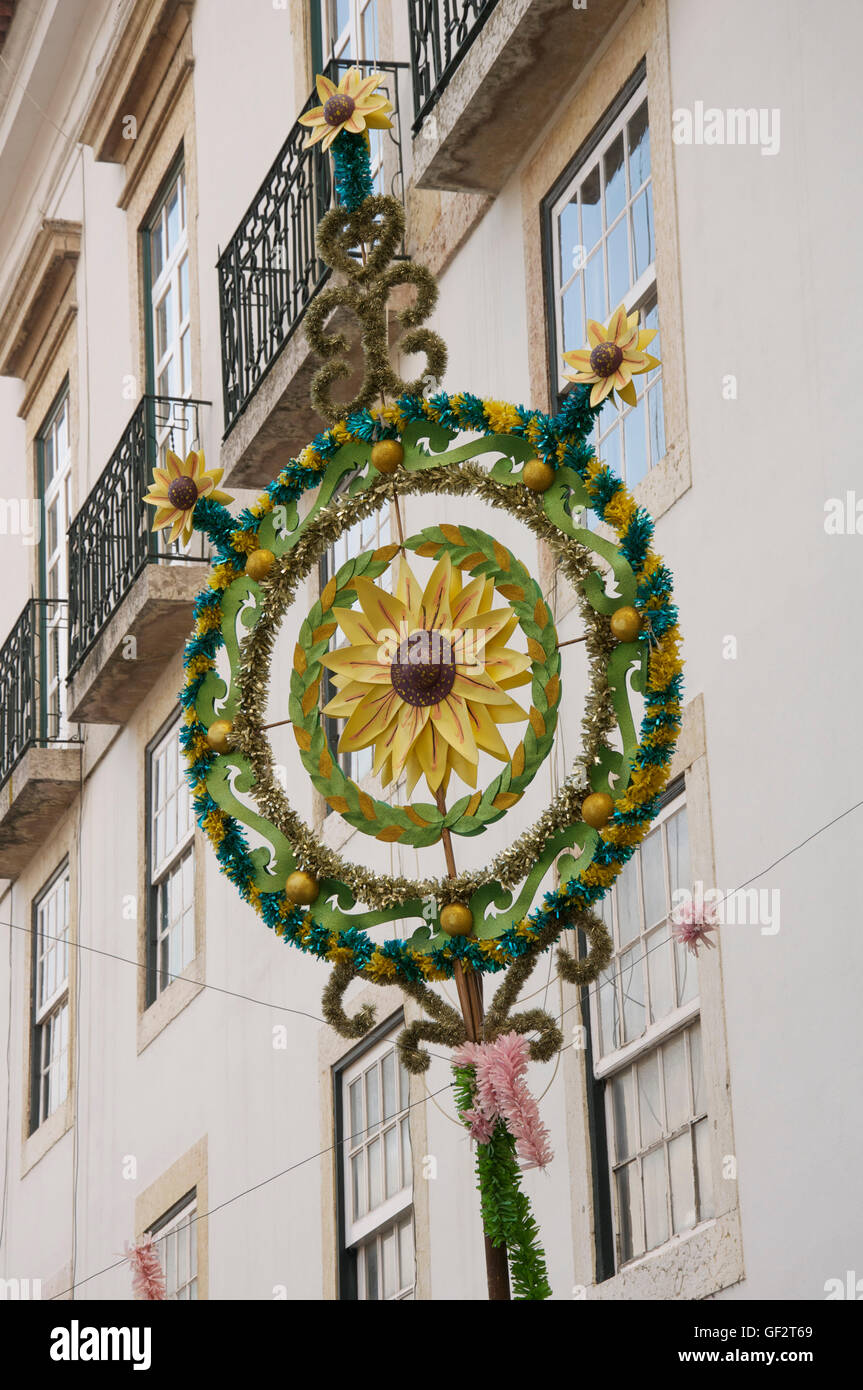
point(425, 675)
point(616, 354)
point(176, 488)
point(352, 106)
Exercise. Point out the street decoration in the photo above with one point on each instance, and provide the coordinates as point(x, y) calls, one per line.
point(431, 675)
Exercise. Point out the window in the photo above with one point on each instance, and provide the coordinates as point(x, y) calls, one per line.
point(660, 1145)
point(377, 1179)
point(169, 366)
point(349, 34)
point(369, 534)
point(600, 240)
point(54, 465)
point(349, 30)
point(646, 1052)
point(176, 1239)
point(171, 853)
point(50, 1000)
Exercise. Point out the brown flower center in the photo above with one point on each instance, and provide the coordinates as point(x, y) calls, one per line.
point(183, 493)
point(606, 358)
point(423, 672)
point(339, 108)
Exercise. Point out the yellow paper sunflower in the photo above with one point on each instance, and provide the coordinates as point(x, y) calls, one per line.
point(616, 354)
point(175, 491)
point(425, 675)
point(352, 105)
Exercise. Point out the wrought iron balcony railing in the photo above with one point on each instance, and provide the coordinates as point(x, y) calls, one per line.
point(442, 31)
point(110, 540)
point(32, 683)
point(270, 270)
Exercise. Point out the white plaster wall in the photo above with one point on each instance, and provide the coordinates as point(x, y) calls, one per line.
point(768, 253)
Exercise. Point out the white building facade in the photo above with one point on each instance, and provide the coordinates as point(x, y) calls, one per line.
point(168, 1070)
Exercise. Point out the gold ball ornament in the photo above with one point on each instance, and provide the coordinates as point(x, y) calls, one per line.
point(457, 919)
point(626, 623)
point(387, 455)
point(217, 735)
point(259, 564)
point(597, 810)
point(538, 475)
point(302, 888)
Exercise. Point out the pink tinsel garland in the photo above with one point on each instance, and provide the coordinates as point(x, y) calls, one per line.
point(502, 1094)
point(148, 1281)
point(690, 924)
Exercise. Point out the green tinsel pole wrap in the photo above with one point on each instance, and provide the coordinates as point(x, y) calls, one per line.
point(506, 1215)
point(353, 170)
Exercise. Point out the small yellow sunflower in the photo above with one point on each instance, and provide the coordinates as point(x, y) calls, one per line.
point(352, 105)
point(614, 357)
point(425, 675)
point(176, 489)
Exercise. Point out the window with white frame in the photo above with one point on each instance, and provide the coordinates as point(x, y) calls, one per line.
point(377, 1220)
point(602, 251)
point(350, 33)
point(646, 1045)
point(54, 454)
point(349, 30)
point(171, 864)
point(170, 311)
point(175, 1236)
point(50, 1001)
point(368, 534)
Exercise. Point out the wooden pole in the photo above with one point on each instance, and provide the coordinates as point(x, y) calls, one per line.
point(399, 521)
point(469, 987)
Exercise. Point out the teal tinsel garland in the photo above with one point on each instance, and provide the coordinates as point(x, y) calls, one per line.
point(353, 169)
point(506, 1215)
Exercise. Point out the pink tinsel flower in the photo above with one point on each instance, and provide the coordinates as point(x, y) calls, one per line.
point(690, 924)
point(502, 1093)
point(148, 1280)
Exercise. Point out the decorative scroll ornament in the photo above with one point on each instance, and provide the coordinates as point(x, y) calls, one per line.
point(427, 700)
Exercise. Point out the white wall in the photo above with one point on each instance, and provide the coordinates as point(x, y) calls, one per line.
point(771, 277)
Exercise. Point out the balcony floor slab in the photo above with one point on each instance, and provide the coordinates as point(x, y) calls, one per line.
point(33, 799)
point(525, 59)
point(116, 674)
point(279, 419)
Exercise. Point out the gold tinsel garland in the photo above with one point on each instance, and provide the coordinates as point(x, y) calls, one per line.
point(378, 224)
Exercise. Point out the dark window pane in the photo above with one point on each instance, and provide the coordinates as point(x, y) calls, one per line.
point(569, 241)
point(642, 231)
point(625, 1128)
point(639, 148)
point(594, 287)
point(618, 265)
point(573, 324)
point(655, 1198)
point(635, 444)
point(591, 212)
point(372, 1270)
point(615, 181)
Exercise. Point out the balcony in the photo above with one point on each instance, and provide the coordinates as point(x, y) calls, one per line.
point(130, 594)
point(268, 275)
point(40, 761)
point(488, 76)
